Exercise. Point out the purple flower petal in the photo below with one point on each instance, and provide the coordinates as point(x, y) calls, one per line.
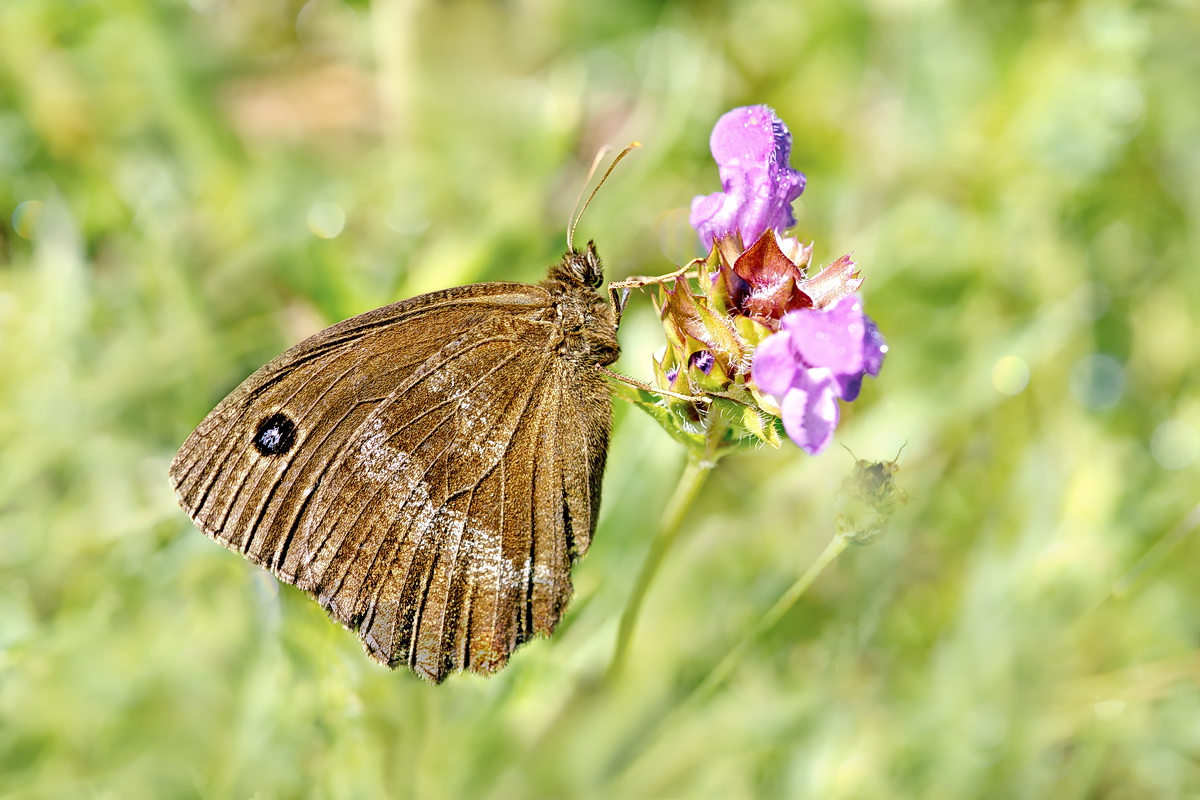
point(810, 411)
point(715, 215)
point(751, 146)
point(831, 337)
point(874, 347)
point(775, 365)
point(849, 386)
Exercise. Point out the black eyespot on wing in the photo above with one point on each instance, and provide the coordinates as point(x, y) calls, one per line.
point(275, 435)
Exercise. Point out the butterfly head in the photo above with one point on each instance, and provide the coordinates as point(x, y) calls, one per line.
point(580, 268)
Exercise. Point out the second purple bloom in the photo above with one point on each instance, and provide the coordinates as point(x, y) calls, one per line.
point(817, 358)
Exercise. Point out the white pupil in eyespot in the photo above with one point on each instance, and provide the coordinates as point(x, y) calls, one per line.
point(271, 438)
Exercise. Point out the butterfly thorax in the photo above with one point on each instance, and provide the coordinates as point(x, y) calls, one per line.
point(589, 330)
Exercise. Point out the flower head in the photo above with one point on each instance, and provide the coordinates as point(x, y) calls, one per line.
point(751, 146)
point(757, 350)
point(818, 358)
point(770, 278)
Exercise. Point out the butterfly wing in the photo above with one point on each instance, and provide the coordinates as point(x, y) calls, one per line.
point(414, 470)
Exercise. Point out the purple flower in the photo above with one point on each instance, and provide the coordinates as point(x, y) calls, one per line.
point(817, 358)
point(751, 147)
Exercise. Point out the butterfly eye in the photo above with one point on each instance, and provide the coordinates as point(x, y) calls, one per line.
point(275, 435)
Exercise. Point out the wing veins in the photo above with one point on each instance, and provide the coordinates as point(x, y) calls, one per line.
point(216, 473)
point(533, 534)
point(425, 412)
point(242, 415)
point(287, 467)
point(383, 483)
point(420, 611)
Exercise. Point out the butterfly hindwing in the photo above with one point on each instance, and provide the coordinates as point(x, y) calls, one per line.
point(428, 509)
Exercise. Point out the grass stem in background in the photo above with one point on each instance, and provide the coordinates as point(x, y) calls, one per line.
point(695, 472)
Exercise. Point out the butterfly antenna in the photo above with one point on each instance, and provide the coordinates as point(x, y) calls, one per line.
point(577, 212)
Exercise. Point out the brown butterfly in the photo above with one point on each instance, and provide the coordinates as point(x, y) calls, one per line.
point(427, 471)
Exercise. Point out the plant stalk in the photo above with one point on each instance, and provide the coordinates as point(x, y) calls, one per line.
point(768, 620)
point(694, 473)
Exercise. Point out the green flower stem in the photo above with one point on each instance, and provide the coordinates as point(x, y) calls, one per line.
point(1156, 555)
point(788, 599)
point(726, 665)
point(694, 473)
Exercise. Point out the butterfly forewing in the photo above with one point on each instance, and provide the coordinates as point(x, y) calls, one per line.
point(427, 471)
point(325, 387)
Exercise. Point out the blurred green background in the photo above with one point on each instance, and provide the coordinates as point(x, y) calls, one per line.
point(187, 188)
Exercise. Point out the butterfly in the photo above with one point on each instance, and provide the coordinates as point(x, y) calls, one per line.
point(427, 471)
